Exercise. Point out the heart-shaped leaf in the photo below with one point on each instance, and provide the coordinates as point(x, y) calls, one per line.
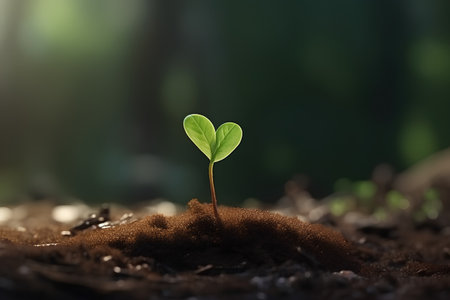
point(201, 132)
point(228, 137)
point(216, 145)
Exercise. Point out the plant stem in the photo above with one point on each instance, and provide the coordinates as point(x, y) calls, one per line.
point(213, 191)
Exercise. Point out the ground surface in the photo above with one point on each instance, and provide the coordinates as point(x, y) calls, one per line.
point(252, 254)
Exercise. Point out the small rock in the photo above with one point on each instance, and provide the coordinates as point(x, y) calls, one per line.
point(347, 274)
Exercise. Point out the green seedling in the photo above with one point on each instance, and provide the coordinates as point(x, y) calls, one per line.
point(215, 144)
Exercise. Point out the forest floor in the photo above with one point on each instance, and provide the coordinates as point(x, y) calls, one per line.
point(385, 238)
point(251, 254)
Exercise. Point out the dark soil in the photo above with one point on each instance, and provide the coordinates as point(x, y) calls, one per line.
point(251, 254)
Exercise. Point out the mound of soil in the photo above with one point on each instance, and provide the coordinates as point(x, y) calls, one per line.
point(250, 254)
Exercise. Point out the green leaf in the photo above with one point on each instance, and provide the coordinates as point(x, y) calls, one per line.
point(216, 145)
point(228, 137)
point(201, 132)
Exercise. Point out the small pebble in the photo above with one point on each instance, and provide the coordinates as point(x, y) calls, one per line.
point(347, 274)
point(261, 282)
point(282, 282)
point(24, 270)
point(66, 213)
point(107, 258)
point(261, 296)
point(46, 245)
point(5, 214)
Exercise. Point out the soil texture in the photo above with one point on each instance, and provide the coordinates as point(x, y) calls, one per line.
point(251, 254)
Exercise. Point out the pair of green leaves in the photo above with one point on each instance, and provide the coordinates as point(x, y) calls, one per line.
point(216, 145)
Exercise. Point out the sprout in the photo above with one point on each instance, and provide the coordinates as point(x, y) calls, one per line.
point(216, 145)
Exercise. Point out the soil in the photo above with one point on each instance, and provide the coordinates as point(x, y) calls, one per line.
point(250, 254)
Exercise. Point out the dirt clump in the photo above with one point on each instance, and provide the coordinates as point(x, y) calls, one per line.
point(245, 236)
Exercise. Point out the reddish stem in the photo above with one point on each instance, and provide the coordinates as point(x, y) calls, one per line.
point(213, 192)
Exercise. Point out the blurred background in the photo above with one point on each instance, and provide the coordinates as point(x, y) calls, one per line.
point(93, 95)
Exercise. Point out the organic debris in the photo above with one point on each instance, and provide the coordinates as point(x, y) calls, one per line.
point(250, 254)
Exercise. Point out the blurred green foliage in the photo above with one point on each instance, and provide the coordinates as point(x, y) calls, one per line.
point(92, 93)
point(431, 207)
point(367, 198)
